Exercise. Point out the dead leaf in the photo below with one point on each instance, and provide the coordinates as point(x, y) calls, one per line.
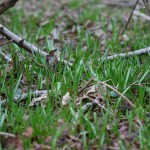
point(56, 33)
point(41, 147)
point(44, 23)
point(14, 143)
point(53, 58)
point(124, 38)
point(28, 133)
point(92, 89)
point(38, 100)
point(99, 33)
point(49, 14)
point(66, 98)
point(72, 142)
point(48, 140)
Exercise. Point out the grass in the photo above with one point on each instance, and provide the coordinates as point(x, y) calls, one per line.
point(99, 128)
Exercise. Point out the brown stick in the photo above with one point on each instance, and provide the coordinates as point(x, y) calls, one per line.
point(89, 82)
point(6, 4)
point(115, 90)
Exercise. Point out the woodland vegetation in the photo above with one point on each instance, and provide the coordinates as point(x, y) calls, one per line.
point(74, 74)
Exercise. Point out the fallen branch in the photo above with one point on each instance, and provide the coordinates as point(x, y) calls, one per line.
point(6, 4)
point(21, 42)
point(129, 54)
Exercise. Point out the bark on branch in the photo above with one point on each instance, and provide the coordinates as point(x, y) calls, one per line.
point(32, 49)
point(20, 42)
point(130, 54)
point(6, 4)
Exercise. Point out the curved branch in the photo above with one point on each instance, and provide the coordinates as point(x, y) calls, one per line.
point(6, 4)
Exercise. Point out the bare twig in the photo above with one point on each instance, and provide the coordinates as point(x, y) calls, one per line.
point(129, 54)
point(5, 57)
point(32, 60)
point(130, 17)
point(115, 90)
point(5, 43)
point(7, 134)
point(20, 42)
point(85, 86)
point(6, 4)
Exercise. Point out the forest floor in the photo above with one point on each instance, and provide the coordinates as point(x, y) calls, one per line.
point(79, 100)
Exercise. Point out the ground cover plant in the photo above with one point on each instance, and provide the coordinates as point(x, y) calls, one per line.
point(75, 97)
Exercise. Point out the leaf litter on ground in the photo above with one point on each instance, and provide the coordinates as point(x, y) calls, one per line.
point(93, 96)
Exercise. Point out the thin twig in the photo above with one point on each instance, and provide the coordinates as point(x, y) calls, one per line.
point(115, 90)
point(5, 43)
point(32, 60)
point(5, 57)
point(7, 134)
point(129, 54)
point(129, 17)
point(85, 85)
